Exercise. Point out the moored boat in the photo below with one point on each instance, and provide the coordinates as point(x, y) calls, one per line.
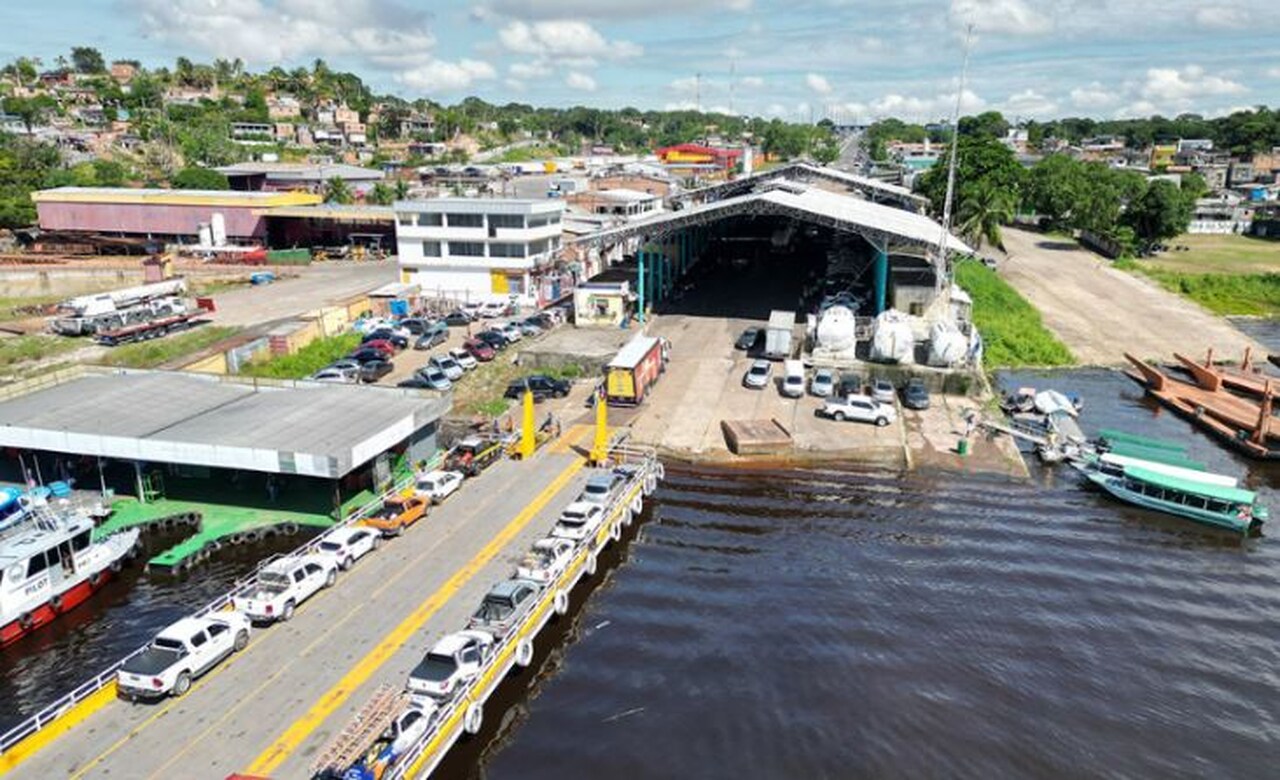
point(1204, 498)
point(50, 562)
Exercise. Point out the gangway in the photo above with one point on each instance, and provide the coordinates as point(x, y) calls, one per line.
point(373, 719)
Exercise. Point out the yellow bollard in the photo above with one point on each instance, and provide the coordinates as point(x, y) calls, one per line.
point(600, 447)
point(527, 441)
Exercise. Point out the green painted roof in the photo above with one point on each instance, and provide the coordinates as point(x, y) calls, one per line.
point(1235, 495)
point(1166, 456)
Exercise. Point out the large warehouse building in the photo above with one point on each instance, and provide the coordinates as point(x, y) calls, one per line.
point(161, 215)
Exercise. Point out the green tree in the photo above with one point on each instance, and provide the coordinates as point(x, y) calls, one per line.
point(1054, 188)
point(401, 189)
point(199, 179)
point(985, 208)
point(86, 59)
point(336, 190)
point(988, 123)
point(32, 111)
point(1160, 213)
point(381, 195)
point(982, 160)
point(827, 150)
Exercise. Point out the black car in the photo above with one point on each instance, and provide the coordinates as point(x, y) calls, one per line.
point(457, 318)
point(367, 355)
point(749, 338)
point(374, 370)
point(416, 382)
point(542, 320)
point(396, 340)
point(915, 395)
point(541, 386)
point(850, 384)
point(431, 339)
point(415, 325)
point(493, 338)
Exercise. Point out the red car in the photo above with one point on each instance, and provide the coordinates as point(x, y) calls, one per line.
point(382, 345)
point(479, 350)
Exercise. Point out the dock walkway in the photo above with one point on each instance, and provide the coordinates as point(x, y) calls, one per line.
point(269, 709)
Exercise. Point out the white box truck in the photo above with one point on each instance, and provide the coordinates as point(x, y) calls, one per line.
point(777, 338)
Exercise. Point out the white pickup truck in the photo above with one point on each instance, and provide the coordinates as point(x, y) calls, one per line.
point(284, 584)
point(180, 653)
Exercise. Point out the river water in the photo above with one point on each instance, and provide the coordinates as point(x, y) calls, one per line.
point(829, 624)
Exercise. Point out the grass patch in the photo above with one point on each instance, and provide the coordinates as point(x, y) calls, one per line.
point(528, 154)
point(149, 354)
point(26, 349)
point(1222, 293)
point(1012, 332)
point(305, 361)
point(1206, 254)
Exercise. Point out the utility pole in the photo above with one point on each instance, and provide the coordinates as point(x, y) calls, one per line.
point(951, 164)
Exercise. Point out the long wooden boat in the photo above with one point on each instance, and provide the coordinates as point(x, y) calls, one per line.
point(1246, 378)
point(1207, 503)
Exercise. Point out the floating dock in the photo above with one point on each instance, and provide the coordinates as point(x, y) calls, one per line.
point(756, 437)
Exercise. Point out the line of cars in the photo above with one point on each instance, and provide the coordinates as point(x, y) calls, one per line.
point(192, 646)
point(847, 397)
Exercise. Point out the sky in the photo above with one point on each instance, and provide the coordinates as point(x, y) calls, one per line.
point(851, 60)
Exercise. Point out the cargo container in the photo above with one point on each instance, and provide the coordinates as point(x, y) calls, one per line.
point(635, 368)
point(777, 339)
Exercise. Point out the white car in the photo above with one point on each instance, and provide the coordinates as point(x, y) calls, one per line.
point(349, 544)
point(579, 521)
point(463, 358)
point(367, 326)
point(823, 383)
point(453, 662)
point(448, 365)
point(860, 408)
point(493, 309)
point(602, 488)
point(439, 485)
point(410, 725)
point(792, 379)
point(181, 653)
point(510, 332)
point(284, 584)
point(336, 376)
point(546, 560)
point(883, 391)
point(757, 377)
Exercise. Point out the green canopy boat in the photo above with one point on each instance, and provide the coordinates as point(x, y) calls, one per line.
point(1209, 503)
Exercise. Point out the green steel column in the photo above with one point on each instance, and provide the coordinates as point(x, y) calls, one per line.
point(640, 281)
point(659, 274)
point(881, 278)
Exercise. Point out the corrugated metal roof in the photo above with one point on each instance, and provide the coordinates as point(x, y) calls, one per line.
point(160, 197)
point(335, 211)
point(283, 171)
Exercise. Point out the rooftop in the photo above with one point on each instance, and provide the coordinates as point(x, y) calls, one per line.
point(164, 197)
point(285, 171)
point(483, 205)
point(195, 419)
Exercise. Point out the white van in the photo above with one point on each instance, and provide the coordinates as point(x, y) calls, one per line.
point(792, 379)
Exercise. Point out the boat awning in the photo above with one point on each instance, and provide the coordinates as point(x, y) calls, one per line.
point(1206, 489)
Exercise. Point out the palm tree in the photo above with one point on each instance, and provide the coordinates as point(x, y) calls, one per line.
point(336, 190)
point(982, 212)
point(402, 189)
point(381, 195)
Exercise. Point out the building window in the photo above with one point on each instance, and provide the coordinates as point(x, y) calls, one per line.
point(430, 219)
point(466, 249)
point(430, 248)
point(466, 220)
point(506, 220)
point(405, 219)
point(506, 250)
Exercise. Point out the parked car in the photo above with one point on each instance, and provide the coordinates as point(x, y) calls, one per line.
point(435, 378)
point(348, 544)
point(505, 606)
point(579, 521)
point(336, 376)
point(429, 340)
point(472, 309)
point(479, 350)
point(473, 455)
point(463, 357)
point(495, 309)
point(749, 338)
point(850, 384)
point(438, 485)
point(415, 325)
point(540, 385)
point(493, 338)
point(415, 382)
point(285, 583)
point(347, 364)
point(511, 332)
point(603, 488)
point(450, 664)
point(757, 377)
point(528, 328)
point(391, 337)
point(545, 320)
point(915, 395)
point(546, 560)
point(387, 349)
point(883, 391)
point(181, 653)
point(374, 370)
point(448, 365)
point(396, 514)
point(823, 383)
point(792, 379)
point(859, 408)
point(370, 324)
point(367, 353)
point(458, 318)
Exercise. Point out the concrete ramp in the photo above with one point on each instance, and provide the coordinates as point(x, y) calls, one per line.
point(756, 437)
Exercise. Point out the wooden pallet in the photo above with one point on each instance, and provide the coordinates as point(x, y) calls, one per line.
point(374, 718)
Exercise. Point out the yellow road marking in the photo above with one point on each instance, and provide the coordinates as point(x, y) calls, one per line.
point(282, 748)
point(28, 747)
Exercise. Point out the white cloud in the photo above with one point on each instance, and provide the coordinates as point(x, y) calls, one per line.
point(1008, 17)
point(818, 83)
point(910, 107)
point(580, 81)
point(1029, 103)
point(564, 39)
point(441, 76)
point(1273, 73)
point(1093, 96)
point(754, 82)
point(529, 70)
point(610, 10)
point(688, 84)
point(1223, 17)
point(1177, 87)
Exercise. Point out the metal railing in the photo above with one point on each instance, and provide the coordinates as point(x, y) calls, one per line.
point(240, 587)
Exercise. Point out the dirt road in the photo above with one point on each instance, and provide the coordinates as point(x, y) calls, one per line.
point(1101, 313)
